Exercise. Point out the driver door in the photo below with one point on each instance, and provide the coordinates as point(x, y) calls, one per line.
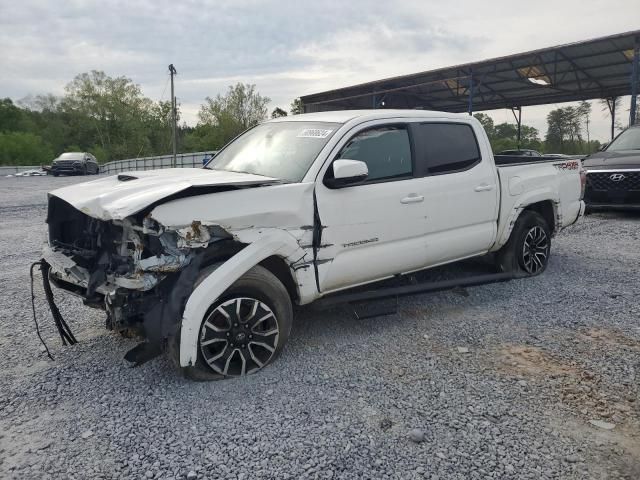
point(375, 229)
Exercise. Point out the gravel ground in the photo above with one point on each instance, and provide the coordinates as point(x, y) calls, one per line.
point(498, 381)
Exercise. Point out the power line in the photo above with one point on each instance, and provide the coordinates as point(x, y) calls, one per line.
point(164, 89)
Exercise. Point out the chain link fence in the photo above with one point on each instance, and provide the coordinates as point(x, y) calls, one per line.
point(183, 160)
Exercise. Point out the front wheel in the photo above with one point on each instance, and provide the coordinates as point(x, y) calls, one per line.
point(528, 247)
point(245, 330)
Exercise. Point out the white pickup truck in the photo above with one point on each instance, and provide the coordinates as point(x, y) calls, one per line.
point(207, 262)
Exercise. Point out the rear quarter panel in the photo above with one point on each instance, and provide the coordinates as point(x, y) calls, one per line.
point(525, 184)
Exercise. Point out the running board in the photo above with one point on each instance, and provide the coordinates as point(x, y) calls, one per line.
point(425, 287)
point(376, 307)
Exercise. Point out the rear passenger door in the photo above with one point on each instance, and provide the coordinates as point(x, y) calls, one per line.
point(460, 188)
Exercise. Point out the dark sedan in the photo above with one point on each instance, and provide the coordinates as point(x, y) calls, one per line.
point(75, 163)
point(613, 174)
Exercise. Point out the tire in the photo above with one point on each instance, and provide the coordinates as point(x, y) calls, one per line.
point(528, 248)
point(231, 345)
point(55, 174)
point(84, 170)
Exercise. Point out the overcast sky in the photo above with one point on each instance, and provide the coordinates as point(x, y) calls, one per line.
point(287, 48)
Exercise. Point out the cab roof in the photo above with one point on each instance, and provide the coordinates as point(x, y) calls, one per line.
point(343, 116)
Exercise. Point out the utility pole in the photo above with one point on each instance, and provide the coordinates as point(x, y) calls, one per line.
point(588, 139)
point(173, 72)
point(635, 72)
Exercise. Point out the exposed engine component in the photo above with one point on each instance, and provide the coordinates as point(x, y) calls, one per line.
point(129, 267)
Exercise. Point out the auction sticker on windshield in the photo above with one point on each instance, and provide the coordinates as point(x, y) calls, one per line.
point(314, 133)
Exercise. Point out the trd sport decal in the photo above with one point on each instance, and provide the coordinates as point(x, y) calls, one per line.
point(360, 242)
point(572, 165)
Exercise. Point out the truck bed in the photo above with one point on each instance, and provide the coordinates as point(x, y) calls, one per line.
point(510, 160)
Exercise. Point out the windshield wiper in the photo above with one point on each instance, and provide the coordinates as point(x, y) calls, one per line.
point(278, 180)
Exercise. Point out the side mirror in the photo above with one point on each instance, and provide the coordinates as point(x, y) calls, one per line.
point(603, 146)
point(347, 173)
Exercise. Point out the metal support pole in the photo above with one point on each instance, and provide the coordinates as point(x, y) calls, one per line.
point(173, 72)
point(634, 81)
point(471, 93)
point(612, 109)
point(519, 125)
point(374, 101)
point(518, 121)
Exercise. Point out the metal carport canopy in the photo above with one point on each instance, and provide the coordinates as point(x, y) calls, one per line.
point(598, 68)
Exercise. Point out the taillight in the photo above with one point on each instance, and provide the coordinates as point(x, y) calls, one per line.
point(583, 181)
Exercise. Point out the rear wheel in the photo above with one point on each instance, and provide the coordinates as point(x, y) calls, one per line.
point(245, 330)
point(529, 246)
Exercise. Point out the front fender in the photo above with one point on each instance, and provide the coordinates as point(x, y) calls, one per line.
point(276, 242)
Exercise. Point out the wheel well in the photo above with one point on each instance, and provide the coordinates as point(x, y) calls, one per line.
point(546, 210)
point(281, 270)
point(275, 264)
point(221, 252)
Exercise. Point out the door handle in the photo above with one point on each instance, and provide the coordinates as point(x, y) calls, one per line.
point(483, 188)
point(412, 198)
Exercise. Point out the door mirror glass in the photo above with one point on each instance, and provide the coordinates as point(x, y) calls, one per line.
point(347, 172)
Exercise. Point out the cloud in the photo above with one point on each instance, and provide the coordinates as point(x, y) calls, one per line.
point(287, 48)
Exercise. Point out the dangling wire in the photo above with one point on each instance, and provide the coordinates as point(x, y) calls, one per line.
point(33, 309)
point(63, 329)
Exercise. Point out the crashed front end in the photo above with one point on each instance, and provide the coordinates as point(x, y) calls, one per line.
point(139, 272)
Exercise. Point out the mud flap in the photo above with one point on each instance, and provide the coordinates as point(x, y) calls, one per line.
point(142, 353)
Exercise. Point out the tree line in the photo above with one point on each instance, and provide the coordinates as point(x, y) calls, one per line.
point(567, 129)
point(111, 118)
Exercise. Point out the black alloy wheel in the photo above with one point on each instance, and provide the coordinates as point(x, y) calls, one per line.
point(535, 250)
point(244, 330)
point(528, 247)
point(239, 336)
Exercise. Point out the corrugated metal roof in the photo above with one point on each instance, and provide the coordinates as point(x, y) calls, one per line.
point(597, 68)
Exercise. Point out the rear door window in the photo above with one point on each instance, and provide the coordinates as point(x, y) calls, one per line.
point(445, 147)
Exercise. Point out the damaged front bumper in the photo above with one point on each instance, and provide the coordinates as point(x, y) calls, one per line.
point(139, 272)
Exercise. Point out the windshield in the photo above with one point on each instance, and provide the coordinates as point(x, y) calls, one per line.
point(627, 140)
point(283, 150)
point(71, 156)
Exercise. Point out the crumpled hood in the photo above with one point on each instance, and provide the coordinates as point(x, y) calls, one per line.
point(620, 159)
point(117, 197)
